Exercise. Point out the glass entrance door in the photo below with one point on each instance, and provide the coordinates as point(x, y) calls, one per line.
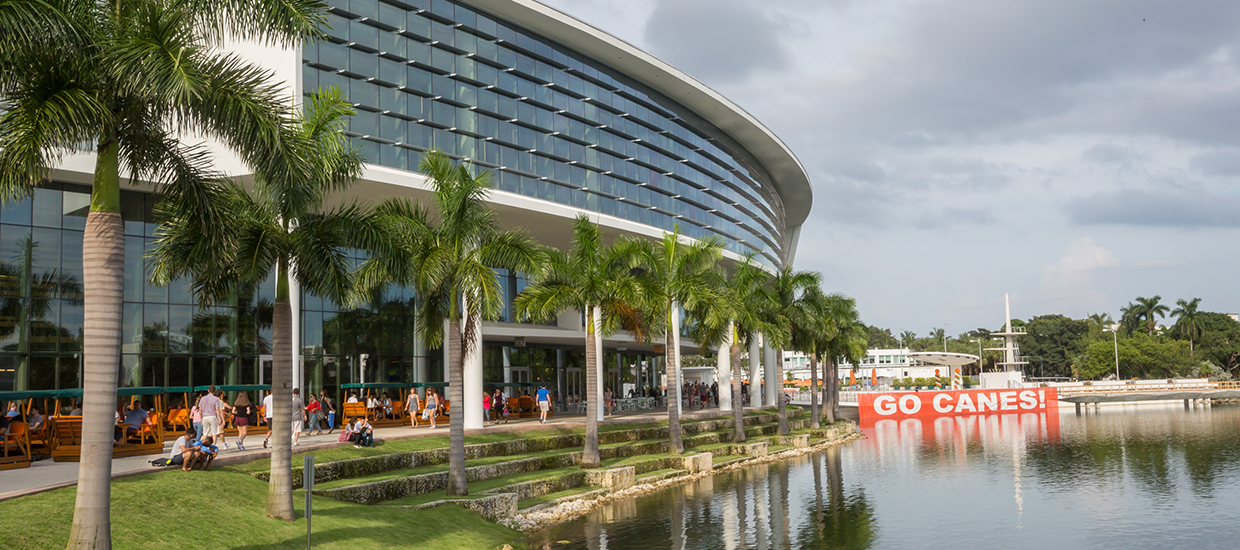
point(574, 384)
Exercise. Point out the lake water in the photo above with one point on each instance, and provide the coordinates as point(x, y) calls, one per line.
point(1129, 478)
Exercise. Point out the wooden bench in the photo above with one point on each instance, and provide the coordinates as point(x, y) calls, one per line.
point(15, 452)
point(66, 438)
point(354, 410)
point(527, 407)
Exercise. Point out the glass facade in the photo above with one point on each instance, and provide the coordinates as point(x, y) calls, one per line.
point(167, 339)
point(552, 123)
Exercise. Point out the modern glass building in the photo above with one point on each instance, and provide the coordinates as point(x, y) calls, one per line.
point(569, 120)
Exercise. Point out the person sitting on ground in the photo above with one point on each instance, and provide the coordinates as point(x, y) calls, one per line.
point(183, 450)
point(206, 452)
point(363, 434)
point(346, 431)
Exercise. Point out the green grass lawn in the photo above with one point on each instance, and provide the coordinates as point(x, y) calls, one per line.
point(225, 508)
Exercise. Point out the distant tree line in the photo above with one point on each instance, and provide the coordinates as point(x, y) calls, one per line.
point(1195, 344)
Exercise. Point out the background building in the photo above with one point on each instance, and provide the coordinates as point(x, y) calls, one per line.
point(569, 119)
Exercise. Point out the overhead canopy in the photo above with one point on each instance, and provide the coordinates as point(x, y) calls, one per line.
point(243, 387)
point(936, 358)
point(378, 386)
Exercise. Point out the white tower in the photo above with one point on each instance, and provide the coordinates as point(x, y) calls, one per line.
point(1011, 351)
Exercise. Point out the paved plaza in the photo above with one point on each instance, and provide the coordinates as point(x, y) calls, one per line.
point(45, 474)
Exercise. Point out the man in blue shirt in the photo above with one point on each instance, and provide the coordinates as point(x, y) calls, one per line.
point(544, 403)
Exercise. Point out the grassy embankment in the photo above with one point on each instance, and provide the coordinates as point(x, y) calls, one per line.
point(224, 509)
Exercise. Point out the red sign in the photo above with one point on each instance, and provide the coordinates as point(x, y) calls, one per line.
point(878, 406)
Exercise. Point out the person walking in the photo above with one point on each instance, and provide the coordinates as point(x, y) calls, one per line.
point(607, 400)
point(242, 411)
point(432, 406)
point(326, 406)
point(497, 406)
point(299, 416)
point(413, 406)
point(312, 414)
point(544, 403)
point(226, 413)
point(195, 417)
point(267, 417)
point(486, 406)
point(212, 411)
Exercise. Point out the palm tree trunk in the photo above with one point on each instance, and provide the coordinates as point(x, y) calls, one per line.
point(828, 391)
point(103, 263)
point(457, 484)
point(280, 483)
point(676, 445)
point(738, 410)
point(779, 395)
point(813, 391)
point(590, 458)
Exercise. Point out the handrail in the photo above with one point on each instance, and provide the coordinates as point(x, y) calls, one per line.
point(1148, 388)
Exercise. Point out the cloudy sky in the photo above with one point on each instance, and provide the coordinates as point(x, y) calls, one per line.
point(1073, 153)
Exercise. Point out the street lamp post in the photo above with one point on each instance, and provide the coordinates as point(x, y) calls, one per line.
point(1115, 340)
point(979, 356)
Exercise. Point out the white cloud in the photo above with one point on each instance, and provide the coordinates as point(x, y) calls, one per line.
point(1075, 269)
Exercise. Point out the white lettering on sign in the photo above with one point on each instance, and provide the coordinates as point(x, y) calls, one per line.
point(885, 405)
point(938, 403)
point(1028, 400)
point(965, 403)
point(1007, 400)
point(987, 401)
point(913, 404)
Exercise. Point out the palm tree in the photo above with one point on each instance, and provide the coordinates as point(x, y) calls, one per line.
point(787, 291)
point(810, 338)
point(677, 274)
point(223, 236)
point(123, 78)
point(451, 262)
point(589, 278)
point(1188, 320)
point(1130, 317)
point(738, 311)
point(847, 341)
point(1148, 309)
point(907, 337)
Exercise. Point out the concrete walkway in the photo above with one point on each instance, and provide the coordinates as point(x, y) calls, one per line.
point(45, 475)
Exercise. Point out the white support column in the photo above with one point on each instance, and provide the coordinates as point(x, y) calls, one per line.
point(772, 384)
point(472, 378)
point(294, 302)
point(508, 368)
point(725, 372)
point(420, 369)
point(755, 374)
point(674, 393)
point(599, 364)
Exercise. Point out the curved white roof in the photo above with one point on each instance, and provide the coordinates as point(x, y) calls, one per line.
point(790, 179)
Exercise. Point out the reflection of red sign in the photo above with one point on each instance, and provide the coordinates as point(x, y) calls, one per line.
point(877, 406)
